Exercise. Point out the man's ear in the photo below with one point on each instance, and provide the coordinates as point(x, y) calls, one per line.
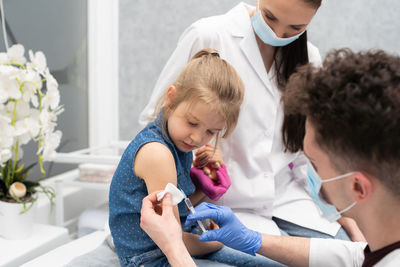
point(362, 187)
point(170, 95)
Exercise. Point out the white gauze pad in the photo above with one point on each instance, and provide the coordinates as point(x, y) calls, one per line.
point(177, 195)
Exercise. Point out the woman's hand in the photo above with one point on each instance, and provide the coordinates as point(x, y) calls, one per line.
point(159, 222)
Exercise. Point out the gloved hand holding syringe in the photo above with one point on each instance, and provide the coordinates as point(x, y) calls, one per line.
point(231, 232)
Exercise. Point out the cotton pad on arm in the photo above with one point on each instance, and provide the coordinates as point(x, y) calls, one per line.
point(176, 194)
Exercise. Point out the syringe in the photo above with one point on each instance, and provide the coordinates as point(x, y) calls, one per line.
point(189, 205)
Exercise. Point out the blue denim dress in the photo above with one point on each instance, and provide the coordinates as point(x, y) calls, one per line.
point(134, 247)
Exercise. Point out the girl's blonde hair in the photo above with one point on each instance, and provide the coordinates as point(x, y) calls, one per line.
point(212, 80)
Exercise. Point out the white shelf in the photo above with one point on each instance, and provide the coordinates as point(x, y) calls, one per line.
point(109, 154)
point(43, 239)
point(71, 179)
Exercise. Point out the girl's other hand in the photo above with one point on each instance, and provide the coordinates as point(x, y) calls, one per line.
point(208, 155)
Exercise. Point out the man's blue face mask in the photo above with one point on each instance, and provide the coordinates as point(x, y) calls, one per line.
point(314, 183)
point(266, 34)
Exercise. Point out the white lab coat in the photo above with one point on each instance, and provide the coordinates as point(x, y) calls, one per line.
point(262, 184)
point(328, 252)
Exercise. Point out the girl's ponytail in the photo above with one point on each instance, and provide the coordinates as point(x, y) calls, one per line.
point(206, 52)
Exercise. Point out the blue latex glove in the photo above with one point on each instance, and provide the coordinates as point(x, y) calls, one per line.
point(231, 233)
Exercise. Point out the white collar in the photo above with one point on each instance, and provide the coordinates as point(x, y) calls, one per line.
point(240, 13)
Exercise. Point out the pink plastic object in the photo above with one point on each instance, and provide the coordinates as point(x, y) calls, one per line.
point(214, 190)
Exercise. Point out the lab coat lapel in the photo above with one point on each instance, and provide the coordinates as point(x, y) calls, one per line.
point(242, 28)
point(250, 49)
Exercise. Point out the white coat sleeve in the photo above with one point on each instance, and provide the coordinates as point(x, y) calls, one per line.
point(191, 41)
point(333, 252)
point(299, 169)
point(314, 56)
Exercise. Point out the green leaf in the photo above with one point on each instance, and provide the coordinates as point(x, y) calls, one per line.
point(20, 168)
point(4, 172)
point(27, 169)
point(3, 187)
point(30, 185)
point(22, 173)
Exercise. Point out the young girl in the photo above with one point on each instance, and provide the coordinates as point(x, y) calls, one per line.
point(203, 103)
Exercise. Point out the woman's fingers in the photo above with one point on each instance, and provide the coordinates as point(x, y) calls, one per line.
point(150, 200)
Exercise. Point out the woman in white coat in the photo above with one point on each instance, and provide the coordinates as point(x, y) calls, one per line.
point(264, 44)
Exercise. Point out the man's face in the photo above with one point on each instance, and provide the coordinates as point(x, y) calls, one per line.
point(334, 192)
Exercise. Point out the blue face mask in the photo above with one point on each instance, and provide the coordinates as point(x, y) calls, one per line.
point(314, 186)
point(266, 34)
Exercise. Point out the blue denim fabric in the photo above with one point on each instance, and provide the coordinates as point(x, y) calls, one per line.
point(149, 258)
point(156, 258)
point(237, 258)
point(231, 257)
point(292, 229)
point(127, 191)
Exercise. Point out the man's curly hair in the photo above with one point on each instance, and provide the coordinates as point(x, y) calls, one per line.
point(353, 102)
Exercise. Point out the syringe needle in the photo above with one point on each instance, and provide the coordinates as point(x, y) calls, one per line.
point(191, 209)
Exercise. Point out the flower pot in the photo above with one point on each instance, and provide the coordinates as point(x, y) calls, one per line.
point(13, 224)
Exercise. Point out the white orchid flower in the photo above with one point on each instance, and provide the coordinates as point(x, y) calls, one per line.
point(51, 142)
point(3, 95)
point(22, 110)
point(38, 61)
point(5, 155)
point(6, 133)
point(9, 87)
point(23, 139)
point(52, 99)
point(27, 126)
point(51, 83)
point(31, 83)
point(4, 58)
point(47, 122)
point(4, 120)
point(16, 54)
point(27, 110)
point(44, 117)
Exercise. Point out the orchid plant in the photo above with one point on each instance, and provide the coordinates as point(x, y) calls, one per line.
point(29, 106)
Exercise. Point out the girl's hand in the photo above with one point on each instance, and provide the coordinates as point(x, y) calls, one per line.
point(208, 155)
point(212, 225)
point(213, 189)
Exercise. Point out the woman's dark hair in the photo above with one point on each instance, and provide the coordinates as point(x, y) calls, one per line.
point(291, 56)
point(287, 59)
